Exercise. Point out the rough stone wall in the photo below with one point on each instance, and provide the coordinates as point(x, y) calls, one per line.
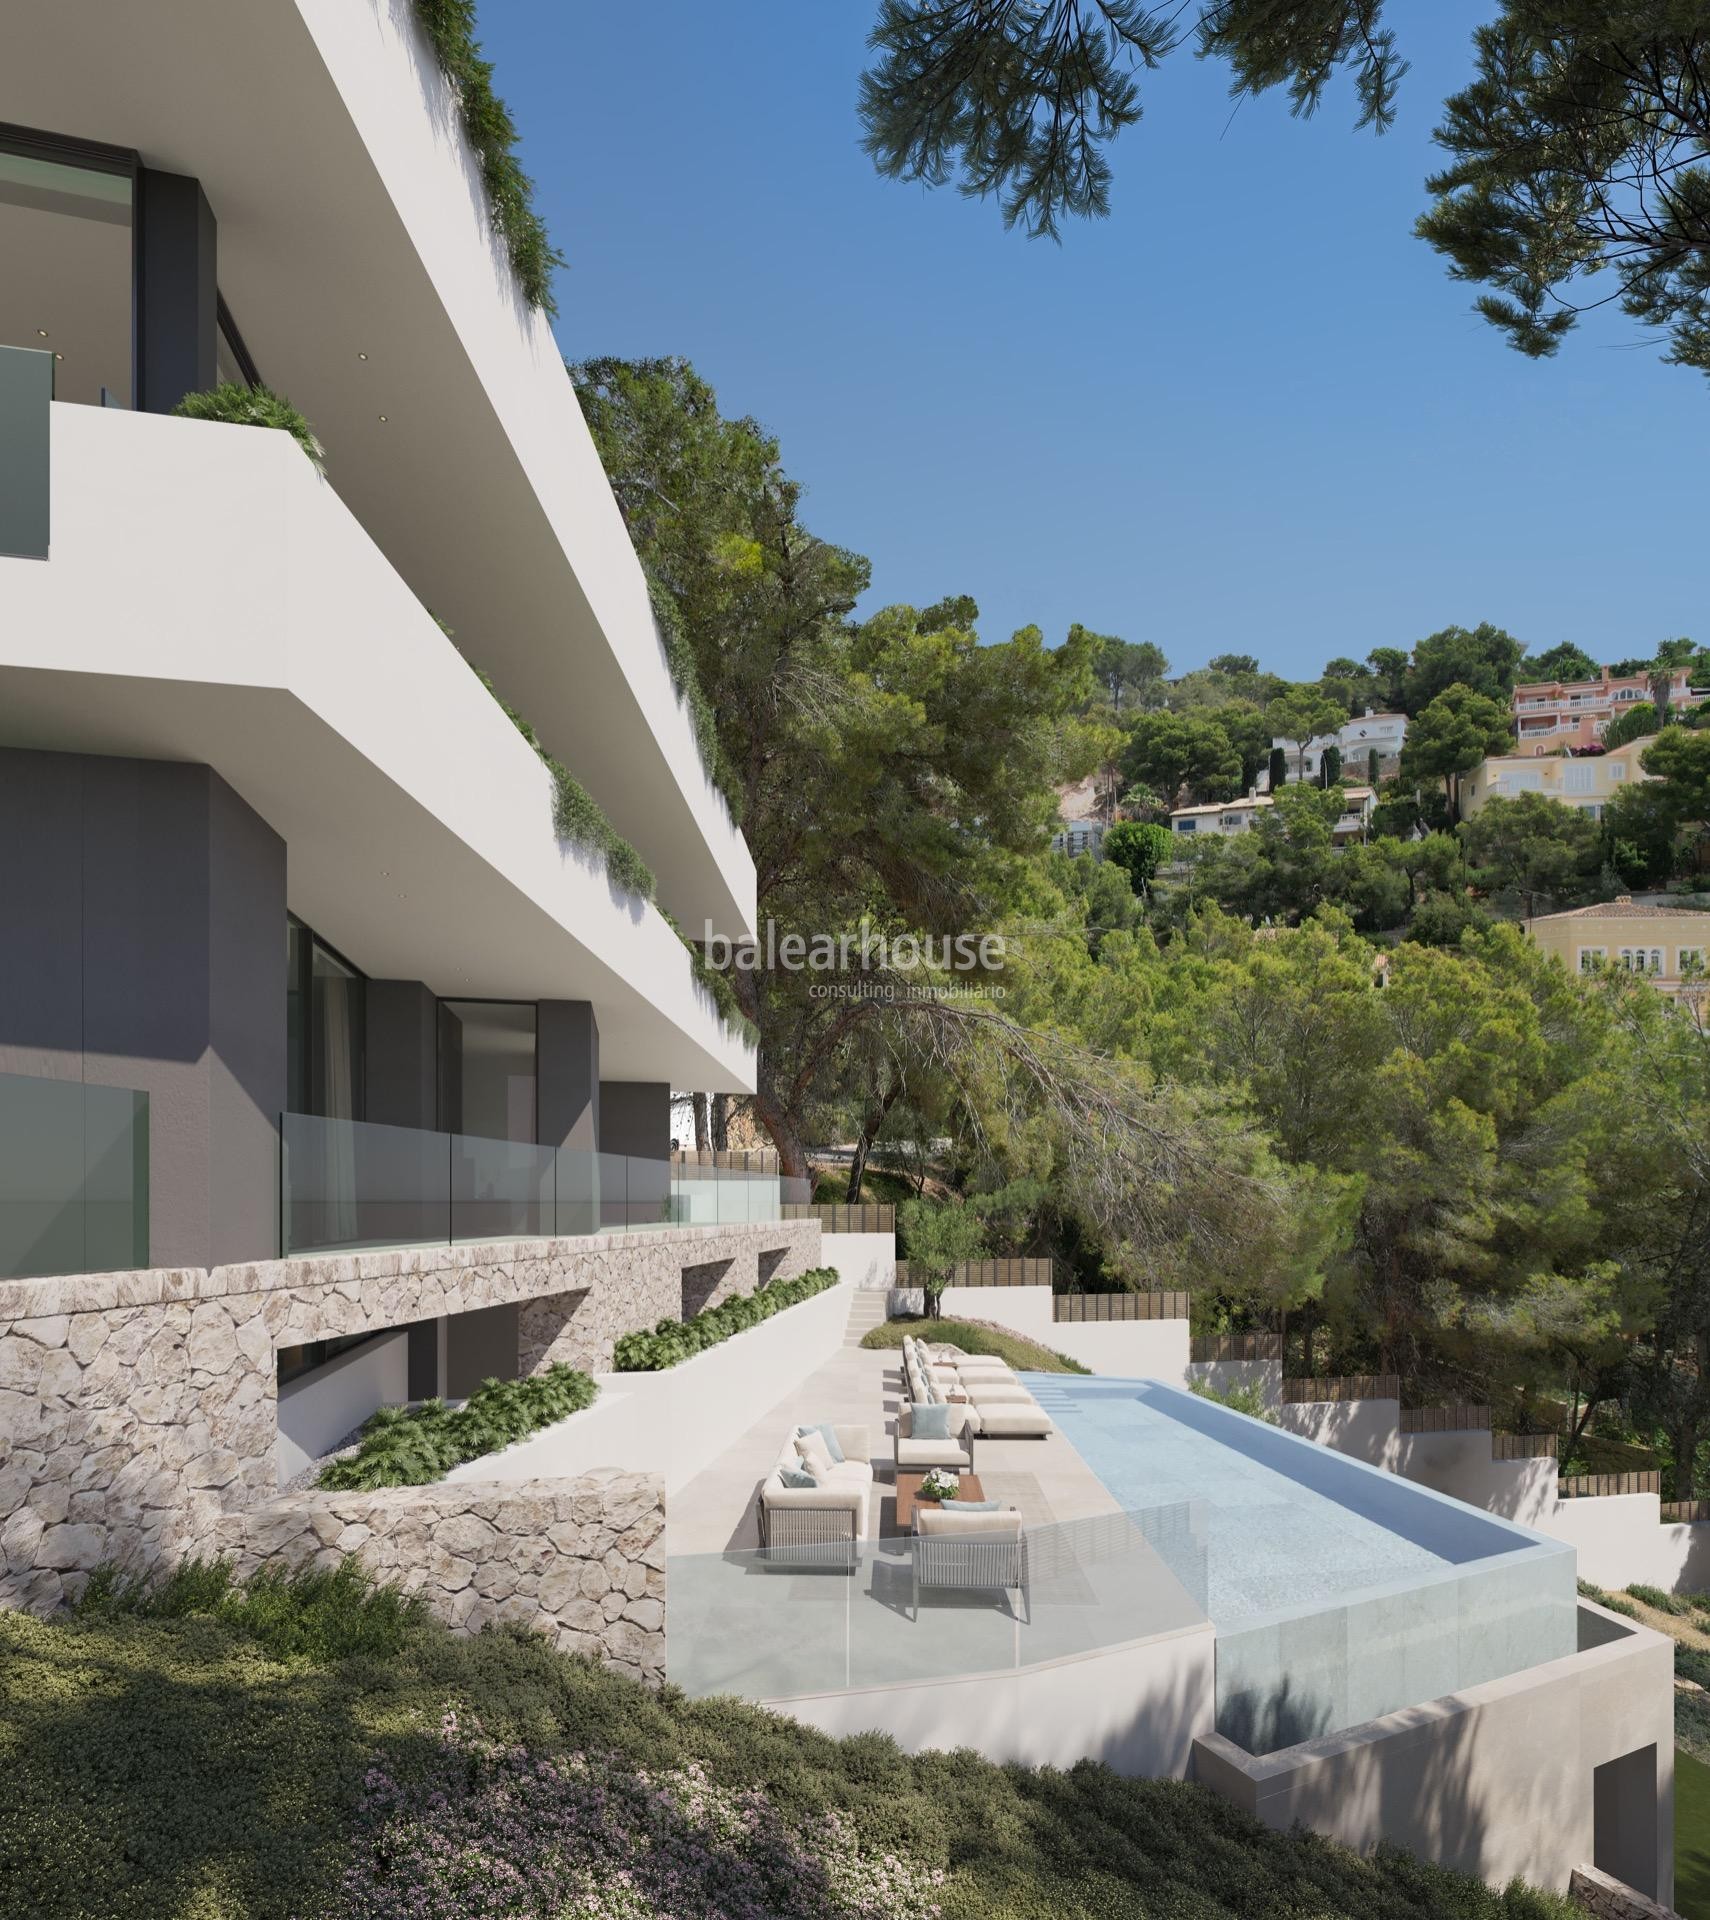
point(580, 1560)
point(137, 1408)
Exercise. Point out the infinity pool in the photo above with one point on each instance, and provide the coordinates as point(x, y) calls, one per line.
point(1338, 1592)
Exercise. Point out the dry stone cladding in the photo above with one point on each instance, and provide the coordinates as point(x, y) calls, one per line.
point(582, 1560)
point(137, 1409)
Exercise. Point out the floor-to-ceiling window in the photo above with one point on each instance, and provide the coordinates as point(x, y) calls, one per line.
point(65, 245)
point(325, 1004)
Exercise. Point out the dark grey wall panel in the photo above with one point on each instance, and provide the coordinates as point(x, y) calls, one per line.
point(402, 1044)
point(635, 1118)
point(480, 1345)
point(145, 948)
point(567, 1074)
point(178, 312)
point(26, 413)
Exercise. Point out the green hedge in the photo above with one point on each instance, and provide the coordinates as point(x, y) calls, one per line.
point(674, 1340)
point(408, 1446)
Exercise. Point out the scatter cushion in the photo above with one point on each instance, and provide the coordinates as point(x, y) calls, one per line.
point(828, 1433)
point(815, 1454)
point(796, 1477)
point(931, 1422)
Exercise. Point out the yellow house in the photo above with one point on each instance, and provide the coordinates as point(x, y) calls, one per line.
point(1587, 781)
point(1666, 944)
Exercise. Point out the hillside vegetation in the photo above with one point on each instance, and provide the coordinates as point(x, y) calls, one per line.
point(303, 1749)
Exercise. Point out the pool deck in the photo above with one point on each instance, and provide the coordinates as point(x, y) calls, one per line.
point(1047, 1480)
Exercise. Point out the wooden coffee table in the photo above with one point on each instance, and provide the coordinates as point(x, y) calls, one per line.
point(908, 1495)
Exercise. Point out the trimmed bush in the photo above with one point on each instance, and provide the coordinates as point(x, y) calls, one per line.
point(241, 406)
point(409, 1446)
point(675, 1340)
point(972, 1336)
point(1248, 1399)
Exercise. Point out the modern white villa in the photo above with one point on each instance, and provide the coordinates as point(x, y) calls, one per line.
point(334, 1076)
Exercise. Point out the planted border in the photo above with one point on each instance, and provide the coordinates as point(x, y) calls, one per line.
point(240, 406)
point(672, 1341)
point(410, 1446)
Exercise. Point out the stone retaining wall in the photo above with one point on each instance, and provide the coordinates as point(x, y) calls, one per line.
point(582, 1560)
point(1612, 1899)
point(138, 1408)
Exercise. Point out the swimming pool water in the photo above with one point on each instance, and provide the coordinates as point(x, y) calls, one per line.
point(1271, 1544)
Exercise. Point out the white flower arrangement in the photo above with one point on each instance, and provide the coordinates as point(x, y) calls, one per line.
point(942, 1483)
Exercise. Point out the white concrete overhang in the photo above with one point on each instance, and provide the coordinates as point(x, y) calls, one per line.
point(209, 598)
point(352, 222)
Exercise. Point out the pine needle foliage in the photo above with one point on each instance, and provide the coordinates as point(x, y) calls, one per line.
point(240, 406)
point(409, 1446)
point(450, 28)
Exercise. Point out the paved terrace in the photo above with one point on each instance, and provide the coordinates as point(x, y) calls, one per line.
point(714, 1513)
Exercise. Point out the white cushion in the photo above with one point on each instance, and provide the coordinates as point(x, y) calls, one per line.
point(816, 1455)
point(1000, 1419)
point(946, 1520)
point(931, 1453)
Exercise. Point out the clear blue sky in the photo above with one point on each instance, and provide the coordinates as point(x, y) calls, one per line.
point(1248, 412)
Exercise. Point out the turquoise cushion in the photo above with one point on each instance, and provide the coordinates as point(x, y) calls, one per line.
point(973, 1506)
point(797, 1477)
point(829, 1435)
point(931, 1423)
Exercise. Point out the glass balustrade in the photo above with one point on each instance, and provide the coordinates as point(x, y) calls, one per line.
point(350, 1184)
point(73, 1177)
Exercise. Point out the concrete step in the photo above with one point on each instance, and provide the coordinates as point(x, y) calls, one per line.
point(866, 1310)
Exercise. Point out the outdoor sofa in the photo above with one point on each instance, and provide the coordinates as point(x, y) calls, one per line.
point(977, 1550)
point(819, 1525)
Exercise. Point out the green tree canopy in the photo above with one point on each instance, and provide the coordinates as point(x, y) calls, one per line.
point(1451, 736)
point(1564, 661)
point(1301, 715)
point(1536, 849)
point(1139, 848)
point(1172, 751)
point(1482, 657)
point(1126, 670)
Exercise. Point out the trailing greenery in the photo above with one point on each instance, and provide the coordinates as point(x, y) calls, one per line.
point(182, 1768)
point(1613, 1601)
point(240, 406)
point(686, 678)
point(576, 815)
point(320, 1614)
point(972, 1336)
point(715, 982)
point(675, 1340)
point(1248, 1399)
point(450, 26)
point(408, 1446)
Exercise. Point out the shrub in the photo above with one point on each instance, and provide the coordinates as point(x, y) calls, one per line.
point(1613, 1601)
point(241, 406)
point(675, 1340)
point(450, 26)
point(972, 1336)
point(1655, 1597)
point(317, 1614)
point(1248, 1399)
point(409, 1446)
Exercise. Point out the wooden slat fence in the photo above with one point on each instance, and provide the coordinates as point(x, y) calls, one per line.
point(1080, 1307)
point(1686, 1509)
point(1588, 1486)
point(1353, 1386)
point(865, 1216)
point(1522, 1446)
point(1212, 1347)
point(1461, 1418)
point(992, 1273)
point(731, 1159)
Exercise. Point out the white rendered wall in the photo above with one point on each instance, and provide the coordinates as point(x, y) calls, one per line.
point(863, 1259)
point(1136, 1708)
point(1121, 1349)
point(676, 1422)
point(316, 1412)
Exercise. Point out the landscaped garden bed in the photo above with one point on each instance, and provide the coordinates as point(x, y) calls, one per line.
point(973, 1336)
point(672, 1341)
point(409, 1446)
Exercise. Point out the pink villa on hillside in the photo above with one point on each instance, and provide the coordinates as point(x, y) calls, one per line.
point(1550, 714)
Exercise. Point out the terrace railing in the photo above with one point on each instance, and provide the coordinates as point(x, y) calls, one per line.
point(862, 1216)
point(351, 1184)
point(990, 1273)
point(73, 1177)
point(1208, 1349)
point(1349, 1386)
point(1590, 1486)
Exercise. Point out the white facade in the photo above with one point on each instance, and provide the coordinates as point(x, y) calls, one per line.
point(1384, 733)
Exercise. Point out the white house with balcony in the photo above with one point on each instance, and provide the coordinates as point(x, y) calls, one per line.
point(1381, 733)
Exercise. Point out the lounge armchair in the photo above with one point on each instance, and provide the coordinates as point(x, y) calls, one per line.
point(970, 1551)
point(817, 1526)
point(914, 1455)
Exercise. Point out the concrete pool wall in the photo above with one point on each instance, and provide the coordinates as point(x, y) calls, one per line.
point(1476, 1598)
